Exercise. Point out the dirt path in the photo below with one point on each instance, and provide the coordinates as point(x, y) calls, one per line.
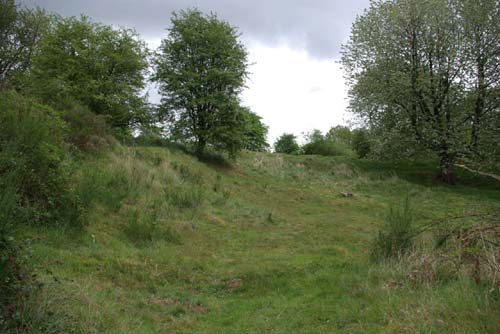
point(496, 177)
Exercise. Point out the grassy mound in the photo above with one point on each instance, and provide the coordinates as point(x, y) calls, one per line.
point(269, 244)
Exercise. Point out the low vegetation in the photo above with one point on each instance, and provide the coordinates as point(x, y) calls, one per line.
point(270, 243)
point(117, 216)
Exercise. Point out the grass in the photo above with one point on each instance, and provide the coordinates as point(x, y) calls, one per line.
point(269, 245)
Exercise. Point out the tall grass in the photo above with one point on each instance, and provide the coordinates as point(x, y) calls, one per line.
point(395, 239)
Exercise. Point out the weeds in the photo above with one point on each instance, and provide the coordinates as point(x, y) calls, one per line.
point(395, 238)
point(142, 229)
point(188, 197)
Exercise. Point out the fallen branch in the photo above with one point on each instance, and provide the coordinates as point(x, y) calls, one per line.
point(494, 176)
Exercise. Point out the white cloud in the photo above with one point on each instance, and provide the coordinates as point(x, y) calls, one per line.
point(294, 92)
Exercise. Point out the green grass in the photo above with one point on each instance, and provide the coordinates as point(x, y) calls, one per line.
point(175, 245)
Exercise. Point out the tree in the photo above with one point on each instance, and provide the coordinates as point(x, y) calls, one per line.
point(201, 68)
point(20, 32)
point(408, 66)
point(94, 65)
point(481, 60)
point(339, 133)
point(327, 145)
point(360, 142)
point(287, 143)
point(255, 132)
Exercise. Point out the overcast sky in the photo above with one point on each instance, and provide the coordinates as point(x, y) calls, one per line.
point(295, 83)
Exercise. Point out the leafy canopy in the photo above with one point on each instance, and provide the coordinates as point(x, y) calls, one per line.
point(93, 65)
point(201, 68)
point(20, 32)
point(287, 143)
point(428, 69)
point(255, 132)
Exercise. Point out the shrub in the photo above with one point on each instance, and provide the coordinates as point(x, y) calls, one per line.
point(88, 132)
point(361, 143)
point(327, 148)
point(287, 143)
point(396, 236)
point(33, 153)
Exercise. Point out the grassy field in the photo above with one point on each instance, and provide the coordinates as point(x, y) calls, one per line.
point(268, 245)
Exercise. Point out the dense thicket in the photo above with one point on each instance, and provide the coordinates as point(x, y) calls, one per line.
point(92, 65)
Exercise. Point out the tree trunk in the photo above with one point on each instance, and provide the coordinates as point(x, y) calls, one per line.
point(446, 165)
point(478, 109)
point(200, 146)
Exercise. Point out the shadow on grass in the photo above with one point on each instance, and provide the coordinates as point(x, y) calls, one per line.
point(426, 174)
point(210, 157)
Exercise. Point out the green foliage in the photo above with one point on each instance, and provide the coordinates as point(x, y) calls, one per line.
point(361, 143)
point(96, 66)
point(287, 143)
point(142, 229)
point(33, 153)
point(201, 68)
point(185, 197)
point(255, 132)
point(87, 131)
point(396, 237)
point(325, 145)
point(20, 32)
point(429, 70)
point(341, 134)
point(10, 270)
point(35, 189)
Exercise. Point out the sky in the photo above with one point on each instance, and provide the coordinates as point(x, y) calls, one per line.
point(296, 83)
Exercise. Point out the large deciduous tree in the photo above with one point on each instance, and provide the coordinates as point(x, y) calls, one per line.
point(94, 65)
point(201, 68)
point(428, 68)
point(20, 32)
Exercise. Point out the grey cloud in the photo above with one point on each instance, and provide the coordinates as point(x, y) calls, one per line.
point(319, 26)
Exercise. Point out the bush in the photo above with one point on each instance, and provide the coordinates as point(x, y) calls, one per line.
point(396, 236)
point(361, 143)
point(326, 148)
point(34, 155)
point(88, 132)
point(287, 143)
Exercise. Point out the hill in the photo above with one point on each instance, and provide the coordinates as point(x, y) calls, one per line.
point(270, 244)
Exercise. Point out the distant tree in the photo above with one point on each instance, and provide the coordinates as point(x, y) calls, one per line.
point(314, 136)
point(361, 143)
point(287, 143)
point(20, 32)
point(255, 132)
point(201, 68)
point(339, 133)
point(430, 69)
point(94, 65)
point(317, 143)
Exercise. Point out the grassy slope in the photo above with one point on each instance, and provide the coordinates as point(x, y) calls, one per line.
point(268, 246)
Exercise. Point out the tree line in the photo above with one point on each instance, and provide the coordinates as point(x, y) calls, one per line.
point(423, 77)
point(200, 69)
